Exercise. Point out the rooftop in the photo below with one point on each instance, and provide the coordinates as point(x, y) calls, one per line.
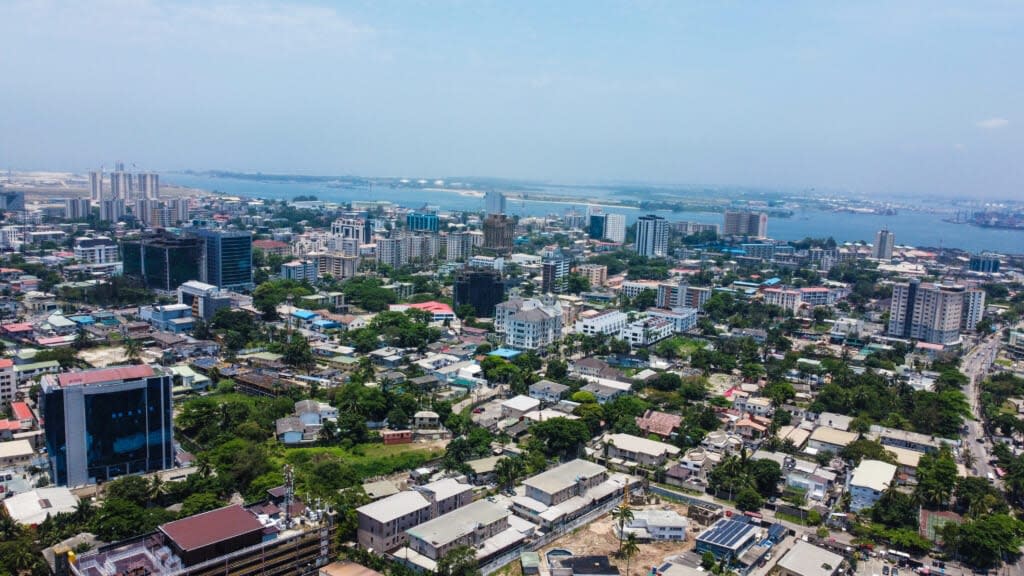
point(458, 523)
point(727, 533)
point(393, 507)
point(873, 474)
point(118, 373)
point(806, 559)
point(211, 527)
point(563, 476)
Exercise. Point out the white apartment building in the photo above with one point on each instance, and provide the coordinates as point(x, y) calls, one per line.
point(929, 312)
point(786, 299)
point(682, 319)
point(633, 288)
point(607, 322)
point(529, 324)
point(615, 228)
point(974, 308)
point(100, 250)
point(646, 331)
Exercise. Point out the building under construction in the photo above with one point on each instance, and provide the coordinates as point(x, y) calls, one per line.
point(278, 536)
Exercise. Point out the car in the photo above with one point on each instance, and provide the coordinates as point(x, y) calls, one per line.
point(478, 410)
point(895, 572)
point(979, 440)
point(885, 570)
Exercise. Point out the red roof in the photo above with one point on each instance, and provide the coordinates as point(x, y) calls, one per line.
point(12, 425)
point(21, 327)
point(21, 411)
point(433, 307)
point(105, 375)
point(208, 528)
point(6, 362)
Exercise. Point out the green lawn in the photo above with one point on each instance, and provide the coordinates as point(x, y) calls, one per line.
point(367, 459)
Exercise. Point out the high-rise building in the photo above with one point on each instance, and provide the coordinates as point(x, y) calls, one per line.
point(481, 288)
point(143, 211)
point(652, 236)
point(12, 201)
point(227, 258)
point(149, 185)
point(929, 312)
point(884, 243)
point(351, 233)
point(121, 185)
point(161, 260)
point(180, 209)
point(494, 202)
point(985, 263)
point(77, 209)
point(105, 423)
point(671, 294)
point(596, 228)
point(459, 246)
point(615, 228)
point(422, 222)
point(96, 185)
point(499, 232)
point(974, 309)
point(391, 252)
point(754, 224)
point(555, 272)
point(112, 210)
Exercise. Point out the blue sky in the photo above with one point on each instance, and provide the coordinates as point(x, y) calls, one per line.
point(871, 97)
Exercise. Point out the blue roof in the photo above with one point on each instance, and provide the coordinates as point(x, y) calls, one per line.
point(325, 323)
point(304, 314)
point(727, 533)
point(772, 281)
point(506, 353)
point(85, 319)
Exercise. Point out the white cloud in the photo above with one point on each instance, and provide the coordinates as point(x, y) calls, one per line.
point(993, 123)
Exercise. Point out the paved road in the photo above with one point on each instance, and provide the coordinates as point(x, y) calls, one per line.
point(975, 365)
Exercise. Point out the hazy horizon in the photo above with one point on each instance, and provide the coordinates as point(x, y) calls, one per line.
point(880, 99)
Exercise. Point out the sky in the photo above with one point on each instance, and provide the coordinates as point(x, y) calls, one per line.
point(874, 98)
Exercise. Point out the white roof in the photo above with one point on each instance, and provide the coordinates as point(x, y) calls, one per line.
point(641, 445)
point(806, 559)
point(833, 436)
point(16, 448)
point(521, 403)
point(34, 506)
point(394, 507)
point(873, 475)
point(458, 523)
point(446, 488)
point(564, 476)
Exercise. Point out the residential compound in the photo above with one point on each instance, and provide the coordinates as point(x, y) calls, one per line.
point(383, 524)
point(934, 313)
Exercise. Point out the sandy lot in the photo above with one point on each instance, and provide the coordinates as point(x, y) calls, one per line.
point(598, 538)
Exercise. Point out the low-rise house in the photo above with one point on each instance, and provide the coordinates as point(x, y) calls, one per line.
point(548, 391)
point(659, 423)
point(426, 420)
point(518, 406)
point(626, 449)
point(870, 479)
point(727, 539)
point(825, 439)
point(656, 525)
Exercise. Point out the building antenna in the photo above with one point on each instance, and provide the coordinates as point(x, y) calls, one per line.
point(289, 494)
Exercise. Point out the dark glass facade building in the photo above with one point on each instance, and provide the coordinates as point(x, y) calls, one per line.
point(105, 423)
point(162, 261)
point(596, 228)
point(483, 289)
point(423, 222)
point(227, 258)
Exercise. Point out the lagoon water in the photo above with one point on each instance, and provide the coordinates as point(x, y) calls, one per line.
point(911, 228)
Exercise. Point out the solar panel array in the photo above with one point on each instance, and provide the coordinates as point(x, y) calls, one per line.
point(727, 533)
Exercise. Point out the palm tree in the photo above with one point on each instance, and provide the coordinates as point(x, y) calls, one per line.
point(132, 349)
point(84, 509)
point(157, 487)
point(629, 549)
point(622, 514)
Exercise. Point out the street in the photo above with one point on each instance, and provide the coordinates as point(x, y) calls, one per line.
point(975, 366)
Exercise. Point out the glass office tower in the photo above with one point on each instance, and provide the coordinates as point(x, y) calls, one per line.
point(227, 258)
point(105, 423)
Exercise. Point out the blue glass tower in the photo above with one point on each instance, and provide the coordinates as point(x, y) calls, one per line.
point(227, 258)
point(423, 222)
